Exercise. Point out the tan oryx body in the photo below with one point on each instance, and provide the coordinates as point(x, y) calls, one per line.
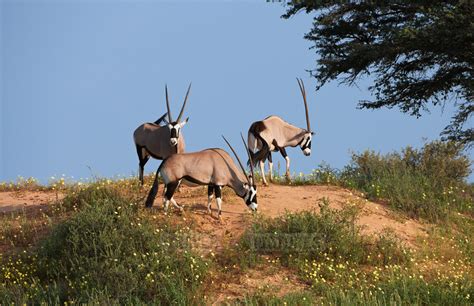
point(212, 167)
point(160, 142)
point(274, 134)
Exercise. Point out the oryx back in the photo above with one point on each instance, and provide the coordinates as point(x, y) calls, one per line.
point(210, 166)
point(278, 132)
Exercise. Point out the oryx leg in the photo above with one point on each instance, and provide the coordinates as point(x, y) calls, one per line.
point(153, 191)
point(262, 171)
point(142, 160)
point(170, 189)
point(270, 165)
point(285, 156)
point(210, 191)
point(218, 192)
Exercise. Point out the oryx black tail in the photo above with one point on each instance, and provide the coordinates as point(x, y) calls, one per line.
point(262, 154)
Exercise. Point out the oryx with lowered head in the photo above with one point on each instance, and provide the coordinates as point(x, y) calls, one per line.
point(212, 167)
point(274, 134)
point(152, 139)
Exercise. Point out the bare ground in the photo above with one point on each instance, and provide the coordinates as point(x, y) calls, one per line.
point(11, 201)
point(276, 199)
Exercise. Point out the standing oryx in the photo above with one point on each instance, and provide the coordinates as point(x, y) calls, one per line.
point(274, 134)
point(212, 167)
point(157, 141)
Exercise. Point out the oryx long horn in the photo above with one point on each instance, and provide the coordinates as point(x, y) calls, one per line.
point(238, 159)
point(303, 92)
point(168, 105)
point(249, 155)
point(184, 103)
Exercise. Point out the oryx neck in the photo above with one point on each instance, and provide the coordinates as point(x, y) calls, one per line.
point(294, 136)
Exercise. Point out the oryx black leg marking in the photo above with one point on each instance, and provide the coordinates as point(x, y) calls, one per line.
point(154, 190)
point(141, 164)
point(270, 165)
point(283, 152)
point(210, 191)
point(269, 157)
point(170, 189)
point(218, 192)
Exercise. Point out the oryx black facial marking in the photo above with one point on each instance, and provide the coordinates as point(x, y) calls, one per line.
point(305, 144)
point(251, 197)
point(174, 133)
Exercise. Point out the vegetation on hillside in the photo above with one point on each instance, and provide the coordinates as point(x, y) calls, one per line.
point(343, 267)
point(106, 253)
point(428, 183)
point(96, 244)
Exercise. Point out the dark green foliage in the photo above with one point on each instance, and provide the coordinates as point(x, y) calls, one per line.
point(76, 200)
point(420, 53)
point(428, 183)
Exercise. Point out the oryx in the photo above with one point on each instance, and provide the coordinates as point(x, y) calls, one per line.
point(212, 167)
point(152, 139)
point(274, 134)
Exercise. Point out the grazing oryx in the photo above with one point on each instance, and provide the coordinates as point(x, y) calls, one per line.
point(212, 167)
point(157, 141)
point(274, 134)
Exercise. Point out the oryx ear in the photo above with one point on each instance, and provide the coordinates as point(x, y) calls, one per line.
point(184, 122)
point(165, 121)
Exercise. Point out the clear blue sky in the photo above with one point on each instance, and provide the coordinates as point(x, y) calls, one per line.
point(77, 77)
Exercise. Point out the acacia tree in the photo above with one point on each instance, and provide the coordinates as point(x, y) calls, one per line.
point(420, 53)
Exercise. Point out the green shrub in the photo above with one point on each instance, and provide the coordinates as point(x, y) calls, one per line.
point(427, 183)
point(107, 253)
point(309, 235)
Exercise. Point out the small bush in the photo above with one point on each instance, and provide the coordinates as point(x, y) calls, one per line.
point(425, 183)
point(310, 235)
point(22, 184)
